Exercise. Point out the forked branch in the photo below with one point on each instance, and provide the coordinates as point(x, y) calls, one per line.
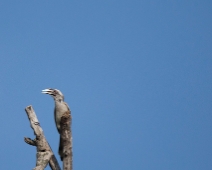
point(44, 152)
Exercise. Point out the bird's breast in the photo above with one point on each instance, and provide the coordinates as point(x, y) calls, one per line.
point(60, 109)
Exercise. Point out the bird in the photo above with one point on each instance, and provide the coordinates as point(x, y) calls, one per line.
point(60, 109)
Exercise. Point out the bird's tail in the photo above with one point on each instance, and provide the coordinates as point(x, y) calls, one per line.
point(60, 151)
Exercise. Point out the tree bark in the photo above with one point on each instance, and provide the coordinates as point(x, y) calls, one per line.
point(66, 141)
point(44, 152)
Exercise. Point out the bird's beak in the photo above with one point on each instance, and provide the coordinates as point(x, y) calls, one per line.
point(47, 91)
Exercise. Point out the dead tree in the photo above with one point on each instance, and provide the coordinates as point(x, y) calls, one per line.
point(66, 141)
point(44, 152)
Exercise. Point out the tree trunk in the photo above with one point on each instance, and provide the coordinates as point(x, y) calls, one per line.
point(66, 141)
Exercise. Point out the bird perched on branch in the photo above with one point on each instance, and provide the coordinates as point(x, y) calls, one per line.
point(61, 108)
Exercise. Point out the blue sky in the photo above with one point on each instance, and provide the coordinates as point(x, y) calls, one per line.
point(136, 75)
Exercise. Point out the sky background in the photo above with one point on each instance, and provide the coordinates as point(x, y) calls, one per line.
point(136, 74)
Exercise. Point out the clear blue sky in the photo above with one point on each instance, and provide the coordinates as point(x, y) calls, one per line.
point(136, 74)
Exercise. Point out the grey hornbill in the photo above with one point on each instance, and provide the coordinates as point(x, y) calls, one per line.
point(60, 109)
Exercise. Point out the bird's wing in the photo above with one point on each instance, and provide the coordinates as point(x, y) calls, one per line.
point(67, 106)
point(56, 120)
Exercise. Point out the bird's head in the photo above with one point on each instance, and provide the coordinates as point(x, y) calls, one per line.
point(56, 94)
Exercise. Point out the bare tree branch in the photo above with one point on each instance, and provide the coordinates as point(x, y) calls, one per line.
point(66, 141)
point(44, 152)
point(42, 160)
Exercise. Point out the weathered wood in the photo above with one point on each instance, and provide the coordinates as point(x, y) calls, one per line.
point(44, 152)
point(66, 141)
point(42, 160)
point(53, 163)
